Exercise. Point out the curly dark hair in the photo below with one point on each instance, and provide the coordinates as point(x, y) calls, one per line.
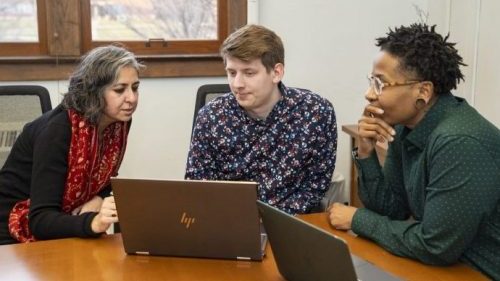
point(425, 53)
point(98, 69)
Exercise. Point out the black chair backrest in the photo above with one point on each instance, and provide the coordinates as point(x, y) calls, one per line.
point(28, 90)
point(19, 105)
point(207, 93)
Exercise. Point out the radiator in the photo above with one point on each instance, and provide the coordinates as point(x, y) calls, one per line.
point(9, 131)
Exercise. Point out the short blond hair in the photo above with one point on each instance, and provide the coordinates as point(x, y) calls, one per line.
point(254, 42)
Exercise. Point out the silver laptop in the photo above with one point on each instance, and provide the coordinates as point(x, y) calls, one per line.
point(305, 252)
point(208, 219)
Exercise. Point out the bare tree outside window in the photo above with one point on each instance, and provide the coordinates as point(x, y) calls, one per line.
point(43, 39)
point(132, 20)
point(18, 21)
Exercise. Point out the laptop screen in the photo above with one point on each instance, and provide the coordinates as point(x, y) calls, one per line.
point(305, 252)
point(214, 219)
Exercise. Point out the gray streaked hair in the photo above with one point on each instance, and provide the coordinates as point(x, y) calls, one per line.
point(97, 70)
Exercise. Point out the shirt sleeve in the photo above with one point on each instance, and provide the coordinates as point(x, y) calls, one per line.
point(105, 192)
point(319, 168)
point(201, 163)
point(382, 190)
point(458, 198)
point(50, 163)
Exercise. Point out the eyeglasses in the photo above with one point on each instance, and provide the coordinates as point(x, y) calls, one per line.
point(378, 85)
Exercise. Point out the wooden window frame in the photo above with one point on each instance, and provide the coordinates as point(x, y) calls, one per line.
point(34, 48)
point(66, 39)
point(161, 47)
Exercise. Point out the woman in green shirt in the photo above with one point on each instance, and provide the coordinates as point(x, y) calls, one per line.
point(437, 197)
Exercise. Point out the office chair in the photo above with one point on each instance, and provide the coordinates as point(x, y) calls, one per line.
point(335, 193)
point(207, 93)
point(19, 104)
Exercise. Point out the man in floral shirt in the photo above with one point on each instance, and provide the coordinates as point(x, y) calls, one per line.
point(285, 139)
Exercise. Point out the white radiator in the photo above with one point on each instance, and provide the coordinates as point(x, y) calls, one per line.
point(9, 131)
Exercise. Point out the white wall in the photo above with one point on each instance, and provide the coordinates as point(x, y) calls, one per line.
point(473, 25)
point(329, 47)
point(161, 129)
point(487, 83)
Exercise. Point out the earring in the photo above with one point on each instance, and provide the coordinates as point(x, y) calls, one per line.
point(420, 104)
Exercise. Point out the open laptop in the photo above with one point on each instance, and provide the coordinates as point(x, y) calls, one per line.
point(209, 219)
point(305, 252)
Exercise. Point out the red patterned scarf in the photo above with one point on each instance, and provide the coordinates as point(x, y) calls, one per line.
point(91, 163)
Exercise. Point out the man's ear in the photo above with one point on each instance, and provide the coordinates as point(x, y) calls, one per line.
point(426, 91)
point(278, 72)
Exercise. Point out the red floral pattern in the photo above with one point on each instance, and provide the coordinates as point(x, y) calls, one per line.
point(91, 163)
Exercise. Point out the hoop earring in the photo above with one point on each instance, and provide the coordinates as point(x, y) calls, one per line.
point(420, 104)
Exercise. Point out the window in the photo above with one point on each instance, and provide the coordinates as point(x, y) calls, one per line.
point(173, 37)
point(18, 21)
point(157, 26)
point(20, 25)
point(142, 20)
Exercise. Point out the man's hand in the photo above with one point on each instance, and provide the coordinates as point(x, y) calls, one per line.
point(372, 128)
point(341, 216)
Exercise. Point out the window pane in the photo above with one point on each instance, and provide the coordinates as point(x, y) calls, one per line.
point(132, 20)
point(18, 21)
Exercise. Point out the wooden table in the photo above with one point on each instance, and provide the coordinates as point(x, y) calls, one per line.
point(104, 259)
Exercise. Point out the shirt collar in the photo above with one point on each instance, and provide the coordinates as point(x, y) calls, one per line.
point(276, 111)
point(420, 134)
point(283, 90)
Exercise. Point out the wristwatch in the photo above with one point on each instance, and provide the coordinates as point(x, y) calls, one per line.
point(355, 153)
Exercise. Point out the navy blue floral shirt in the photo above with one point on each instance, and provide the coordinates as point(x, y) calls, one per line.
point(291, 154)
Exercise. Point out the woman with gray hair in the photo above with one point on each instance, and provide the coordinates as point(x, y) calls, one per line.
point(56, 180)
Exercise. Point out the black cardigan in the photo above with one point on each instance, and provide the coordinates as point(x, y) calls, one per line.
point(37, 168)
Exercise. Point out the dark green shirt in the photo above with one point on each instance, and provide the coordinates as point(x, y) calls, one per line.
point(437, 197)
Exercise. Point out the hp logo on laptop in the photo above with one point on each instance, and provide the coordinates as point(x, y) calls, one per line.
point(186, 220)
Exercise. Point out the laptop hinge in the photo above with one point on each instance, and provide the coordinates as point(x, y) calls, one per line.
point(142, 253)
point(243, 258)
